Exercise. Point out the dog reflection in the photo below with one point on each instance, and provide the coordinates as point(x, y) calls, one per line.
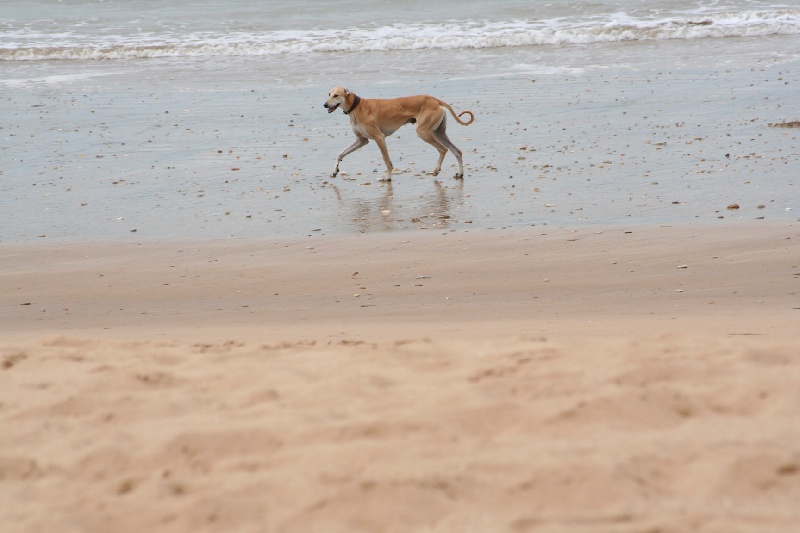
point(386, 213)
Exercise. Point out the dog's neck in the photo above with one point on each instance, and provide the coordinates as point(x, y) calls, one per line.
point(356, 101)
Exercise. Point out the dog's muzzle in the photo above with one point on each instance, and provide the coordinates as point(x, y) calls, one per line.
point(332, 108)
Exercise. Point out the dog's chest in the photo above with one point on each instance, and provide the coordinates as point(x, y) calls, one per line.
point(358, 128)
point(361, 130)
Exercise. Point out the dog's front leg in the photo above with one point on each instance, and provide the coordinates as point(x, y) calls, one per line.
point(358, 143)
point(385, 153)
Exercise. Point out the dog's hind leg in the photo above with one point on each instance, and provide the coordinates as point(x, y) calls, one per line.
point(427, 136)
point(441, 137)
point(358, 143)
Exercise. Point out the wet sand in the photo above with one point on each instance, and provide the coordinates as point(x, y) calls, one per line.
point(196, 158)
point(629, 379)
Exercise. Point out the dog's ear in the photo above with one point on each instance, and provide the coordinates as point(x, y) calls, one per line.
point(346, 91)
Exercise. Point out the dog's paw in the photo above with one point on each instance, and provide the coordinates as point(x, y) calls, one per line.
point(459, 176)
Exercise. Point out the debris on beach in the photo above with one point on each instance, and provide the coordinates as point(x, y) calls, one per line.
point(785, 124)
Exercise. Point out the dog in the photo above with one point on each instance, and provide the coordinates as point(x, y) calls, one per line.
point(376, 119)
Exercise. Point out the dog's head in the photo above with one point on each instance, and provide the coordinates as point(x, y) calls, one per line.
point(336, 97)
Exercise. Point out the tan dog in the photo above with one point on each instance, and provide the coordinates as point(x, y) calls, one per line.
point(377, 119)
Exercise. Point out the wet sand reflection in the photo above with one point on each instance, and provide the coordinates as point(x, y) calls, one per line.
point(433, 209)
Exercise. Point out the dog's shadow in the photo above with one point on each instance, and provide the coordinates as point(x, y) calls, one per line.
point(386, 213)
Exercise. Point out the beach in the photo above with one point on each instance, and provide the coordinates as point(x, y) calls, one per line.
point(625, 380)
point(595, 330)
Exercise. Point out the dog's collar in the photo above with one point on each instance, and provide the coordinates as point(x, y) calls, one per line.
point(356, 101)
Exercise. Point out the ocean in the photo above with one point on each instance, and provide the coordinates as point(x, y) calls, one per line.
point(306, 42)
point(203, 119)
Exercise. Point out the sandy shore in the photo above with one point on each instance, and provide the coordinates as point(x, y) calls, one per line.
point(629, 379)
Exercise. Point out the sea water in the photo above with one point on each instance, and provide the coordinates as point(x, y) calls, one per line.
point(204, 119)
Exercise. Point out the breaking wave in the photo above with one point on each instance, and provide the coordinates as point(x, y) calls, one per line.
point(20, 46)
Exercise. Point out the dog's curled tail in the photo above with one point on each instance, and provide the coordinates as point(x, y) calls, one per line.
point(471, 115)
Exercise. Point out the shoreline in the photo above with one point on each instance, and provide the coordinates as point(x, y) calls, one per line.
point(584, 149)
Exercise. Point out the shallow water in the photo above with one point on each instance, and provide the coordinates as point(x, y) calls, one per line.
point(196, 146)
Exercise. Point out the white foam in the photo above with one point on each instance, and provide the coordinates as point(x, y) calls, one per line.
point(54, 80)
point(618, 27)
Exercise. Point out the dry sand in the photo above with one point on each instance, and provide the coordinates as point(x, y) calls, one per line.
point(629, 379)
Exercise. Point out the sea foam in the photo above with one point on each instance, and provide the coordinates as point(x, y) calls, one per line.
point(21, 46)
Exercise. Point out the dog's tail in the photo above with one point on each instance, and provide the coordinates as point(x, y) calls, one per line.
point(471, 115)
